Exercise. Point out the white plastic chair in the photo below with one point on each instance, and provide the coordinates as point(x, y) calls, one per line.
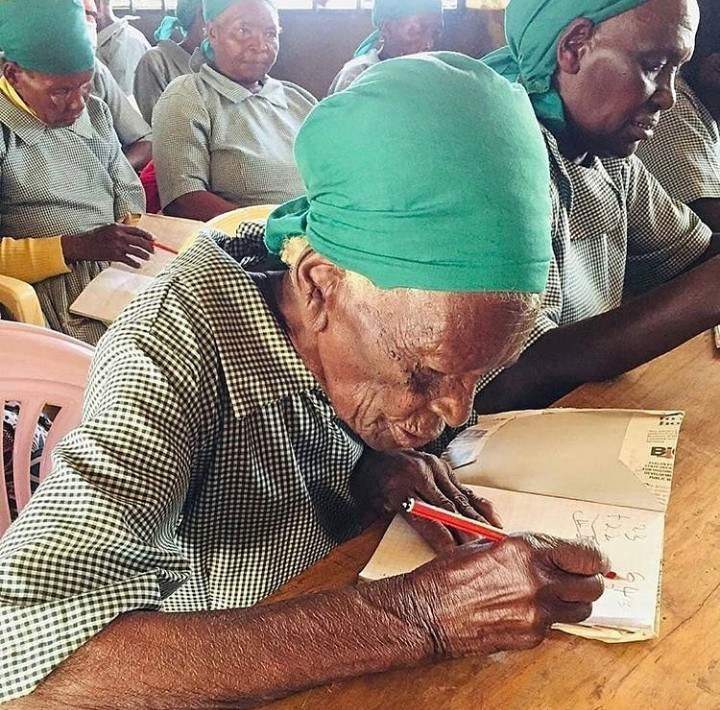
point(230, 221)
point(39, 368)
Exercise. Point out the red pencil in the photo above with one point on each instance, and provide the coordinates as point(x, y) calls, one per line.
point(452, 520)
point(164, 248)
point(460, 522)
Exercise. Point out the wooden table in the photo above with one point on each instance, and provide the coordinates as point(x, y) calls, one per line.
point(679, 670)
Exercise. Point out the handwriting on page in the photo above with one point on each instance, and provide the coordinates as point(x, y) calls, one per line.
point(599, 529)
point(611, 529)
point(632, 538)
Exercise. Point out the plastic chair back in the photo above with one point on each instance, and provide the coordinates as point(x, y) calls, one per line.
point(21, 301)
point(230, 221)
point(39, 368)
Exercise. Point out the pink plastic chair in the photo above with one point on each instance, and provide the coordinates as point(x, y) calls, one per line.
point(38, 368)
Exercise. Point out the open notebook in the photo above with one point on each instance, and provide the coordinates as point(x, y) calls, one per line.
point(110, 291)
point(604, 475)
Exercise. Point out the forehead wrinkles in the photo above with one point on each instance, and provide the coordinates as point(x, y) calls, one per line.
point(248, 11)
point(655, 22)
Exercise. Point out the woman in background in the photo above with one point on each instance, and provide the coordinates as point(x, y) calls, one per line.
point(169, 59)
point(223, 136)
point(402, 27)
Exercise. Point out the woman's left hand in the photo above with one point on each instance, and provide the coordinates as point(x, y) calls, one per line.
point(387, 480)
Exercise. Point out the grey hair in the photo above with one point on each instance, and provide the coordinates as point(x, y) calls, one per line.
point(295, 247)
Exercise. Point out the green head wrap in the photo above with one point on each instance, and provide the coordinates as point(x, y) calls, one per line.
point(182, 20)
point(429, 172)
point(393, 10)
point(532, 29)
point(47, 36)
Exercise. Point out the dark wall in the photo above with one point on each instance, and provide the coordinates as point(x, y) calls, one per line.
point(315, 44)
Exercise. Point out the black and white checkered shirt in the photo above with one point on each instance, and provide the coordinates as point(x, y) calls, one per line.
point(684, 153)
point(208, 470)
point(614, 227)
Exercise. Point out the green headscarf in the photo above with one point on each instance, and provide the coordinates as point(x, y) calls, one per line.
point(181, 21)
point(214, 8)
point(532, 30)
point(429, 172)
point(47, 36)
point(393, 10)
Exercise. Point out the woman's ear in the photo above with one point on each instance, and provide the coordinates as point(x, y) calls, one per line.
point(317, 281)
point(10, 72)
point(573, 43)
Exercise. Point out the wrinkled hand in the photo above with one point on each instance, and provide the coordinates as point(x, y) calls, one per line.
point(483, 598)
point(113, 242)
point(386, 480)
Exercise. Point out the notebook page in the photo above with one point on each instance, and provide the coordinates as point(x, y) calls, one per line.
point(108, 293)
point(633, 539)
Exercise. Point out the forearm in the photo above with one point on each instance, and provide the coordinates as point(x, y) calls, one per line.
point(32, 259)
point(199, 205)
point(139, 154)
point(234, 658)
point(607, 345)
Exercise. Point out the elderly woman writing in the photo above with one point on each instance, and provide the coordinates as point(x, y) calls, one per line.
point(223, 137)
point(402, 27)
point(401, 292)
point(170, 59)
point(65, 180)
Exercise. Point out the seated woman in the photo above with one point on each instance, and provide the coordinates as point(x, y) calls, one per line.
point(65, 181)
point(120, 45)
point(169, 60)
point(223, 137)
point(402, 27)
point(234, 420)
point(684, 153)
point(132, 131)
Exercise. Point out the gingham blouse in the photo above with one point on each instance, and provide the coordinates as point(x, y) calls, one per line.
point(208, 470)
point(684, 153)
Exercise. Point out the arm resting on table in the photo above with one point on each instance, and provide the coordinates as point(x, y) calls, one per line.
point(610, 344)
point(233, 659)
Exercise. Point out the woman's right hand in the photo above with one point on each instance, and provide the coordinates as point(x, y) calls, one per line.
point(482, 598)
point(113, 242)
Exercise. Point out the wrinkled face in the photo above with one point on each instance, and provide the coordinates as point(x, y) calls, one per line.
point(401, 365)
point(625, 74)
point(245, 39)
point(58, 101)
point(409, 35)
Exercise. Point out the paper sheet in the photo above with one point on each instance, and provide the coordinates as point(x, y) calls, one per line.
point(614, 457)
point(633, 539)
point(108, 293)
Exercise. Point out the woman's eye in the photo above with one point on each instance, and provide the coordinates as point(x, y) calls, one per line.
point(653, 67)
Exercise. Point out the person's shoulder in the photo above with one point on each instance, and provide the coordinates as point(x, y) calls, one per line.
point(360, 64)
point(293, 90)
point(100, 116)
point(137, 36)
point(351, 70)
point(153, 57)
point(186, 90)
